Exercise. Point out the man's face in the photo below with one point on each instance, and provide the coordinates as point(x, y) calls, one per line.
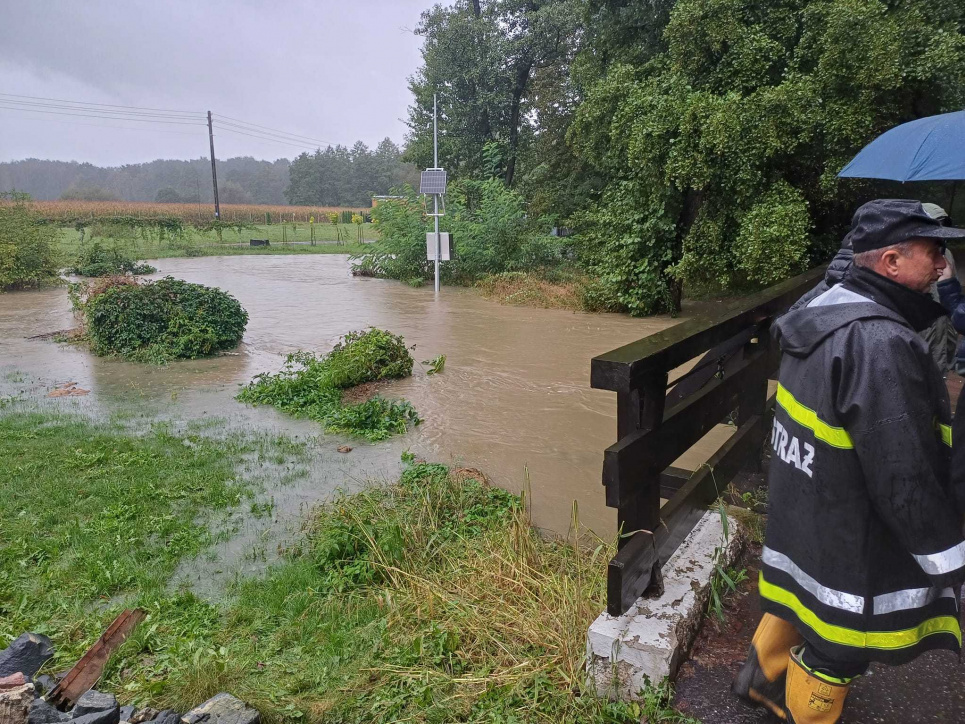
point(921, 268)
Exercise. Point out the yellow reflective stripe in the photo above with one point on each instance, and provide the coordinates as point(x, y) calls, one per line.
point(946, 434)
point(885, 640)
point(834, 436)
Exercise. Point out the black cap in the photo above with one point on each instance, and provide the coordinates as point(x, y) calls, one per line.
point(885, 222)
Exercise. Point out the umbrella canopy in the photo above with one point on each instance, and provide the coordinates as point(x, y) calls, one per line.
point(928, 149)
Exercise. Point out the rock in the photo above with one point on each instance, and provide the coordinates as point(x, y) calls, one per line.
point(168, 716)
point(15, 703)
point(108, 716)
point(126, 713)
point(94, 701)
point(26, 654)
point(44, 684)
point(43, 713)
point(143, 715)
point(222, 709)
point(13, 681)
point(344, 449)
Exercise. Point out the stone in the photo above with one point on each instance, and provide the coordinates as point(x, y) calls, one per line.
point(15, 703)
point(126, 713)
point(44, 683)
point(108, 716)
point(648, 643)
point(92, 702)
point(43, 713)
point(142, 715)
point(168, 716)
point(13, 681)
point(222, 709)
point(26, 654)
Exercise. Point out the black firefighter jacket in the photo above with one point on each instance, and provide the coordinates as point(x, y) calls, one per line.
point(864, 544)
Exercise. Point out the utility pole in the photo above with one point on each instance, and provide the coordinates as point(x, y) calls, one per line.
point(435, 197)
point(214, 171)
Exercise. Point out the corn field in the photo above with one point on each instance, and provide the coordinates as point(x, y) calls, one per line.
point(69, 212)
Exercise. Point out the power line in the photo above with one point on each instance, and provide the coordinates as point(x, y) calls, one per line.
point(104, 105)
point(271, 140)
point(284, 133)
point(102, 125)
point(268, 136)
point(90, 115)
point(109, 114)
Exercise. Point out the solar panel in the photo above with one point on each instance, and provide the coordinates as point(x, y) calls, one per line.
point(433, 181)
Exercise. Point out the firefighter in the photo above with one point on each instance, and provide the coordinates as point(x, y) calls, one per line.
point(864, 546)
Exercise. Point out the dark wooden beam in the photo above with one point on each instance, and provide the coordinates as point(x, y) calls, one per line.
point(672, 480)
point(620, 369)
point(651, 450)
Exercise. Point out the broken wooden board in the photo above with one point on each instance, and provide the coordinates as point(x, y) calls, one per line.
point(85, 673)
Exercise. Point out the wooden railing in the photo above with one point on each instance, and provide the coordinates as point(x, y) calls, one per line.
point(657, 423)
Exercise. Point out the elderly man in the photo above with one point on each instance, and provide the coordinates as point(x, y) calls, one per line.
point(864, 541)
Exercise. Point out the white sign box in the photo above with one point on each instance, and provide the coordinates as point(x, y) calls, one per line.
point(431, 246)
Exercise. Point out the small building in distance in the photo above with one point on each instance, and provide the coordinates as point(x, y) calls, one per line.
point(377, 199)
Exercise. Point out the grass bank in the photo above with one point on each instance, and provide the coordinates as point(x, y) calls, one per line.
point(429, 600)
point(284, 240)
point(560, 289)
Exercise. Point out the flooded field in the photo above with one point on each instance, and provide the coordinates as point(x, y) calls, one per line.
point(514, 400)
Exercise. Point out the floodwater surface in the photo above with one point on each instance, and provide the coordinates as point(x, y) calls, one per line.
point(514, 400)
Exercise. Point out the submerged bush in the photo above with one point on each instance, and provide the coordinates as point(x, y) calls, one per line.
point(98, 260)
point(163, 320)
point(28, 255)
point(311, 386)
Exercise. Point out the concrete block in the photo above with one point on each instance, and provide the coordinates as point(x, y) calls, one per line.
point(653, 638)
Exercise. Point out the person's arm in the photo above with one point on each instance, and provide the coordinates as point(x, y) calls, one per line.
point(883, 400)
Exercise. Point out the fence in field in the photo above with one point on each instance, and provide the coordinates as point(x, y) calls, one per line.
point(659, 420)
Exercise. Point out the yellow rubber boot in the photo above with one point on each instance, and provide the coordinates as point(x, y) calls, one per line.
point(813, 697)
point(762, 678)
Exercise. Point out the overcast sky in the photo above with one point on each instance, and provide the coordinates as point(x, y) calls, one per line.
point(332, 70)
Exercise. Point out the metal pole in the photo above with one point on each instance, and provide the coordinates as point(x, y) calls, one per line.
point(435, 197)
point(214, 171)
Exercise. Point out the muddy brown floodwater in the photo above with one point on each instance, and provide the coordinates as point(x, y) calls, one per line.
point(514, 399)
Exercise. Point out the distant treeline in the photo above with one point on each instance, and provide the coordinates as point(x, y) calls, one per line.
point(336, 176)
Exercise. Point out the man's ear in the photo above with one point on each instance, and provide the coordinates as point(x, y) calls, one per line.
point(889, 262)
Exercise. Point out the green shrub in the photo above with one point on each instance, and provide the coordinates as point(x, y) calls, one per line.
point(163, 320)
point(491, 231)
point(98, 260)
point(309, 386)
point(368, 356)
point(28, 255)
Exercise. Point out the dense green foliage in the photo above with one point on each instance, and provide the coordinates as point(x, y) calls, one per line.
point(339, 176)
point(100, 260)
point(162, 321)
point(490, 229)
point(310, 386)
point(28, 251)
point(693, 142)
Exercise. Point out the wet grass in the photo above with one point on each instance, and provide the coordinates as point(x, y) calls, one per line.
point(429, 600)
point(233, 243)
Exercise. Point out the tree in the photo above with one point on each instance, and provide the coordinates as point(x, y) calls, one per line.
point(231, 192)
point(721, 151)
point(481, 57)
point(28, 248)
point(167, 195)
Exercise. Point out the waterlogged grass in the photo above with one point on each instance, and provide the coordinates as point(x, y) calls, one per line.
point(432, 600)
point(193, 243)
point(92, 514)
point(429, 600)
point(311, 386)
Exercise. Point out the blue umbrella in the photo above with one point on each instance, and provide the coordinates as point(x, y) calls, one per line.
point(928, 149)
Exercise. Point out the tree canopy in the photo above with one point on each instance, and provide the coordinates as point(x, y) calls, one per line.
point(693, 142)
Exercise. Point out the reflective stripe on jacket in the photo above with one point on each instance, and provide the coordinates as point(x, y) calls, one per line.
point(864, 544)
